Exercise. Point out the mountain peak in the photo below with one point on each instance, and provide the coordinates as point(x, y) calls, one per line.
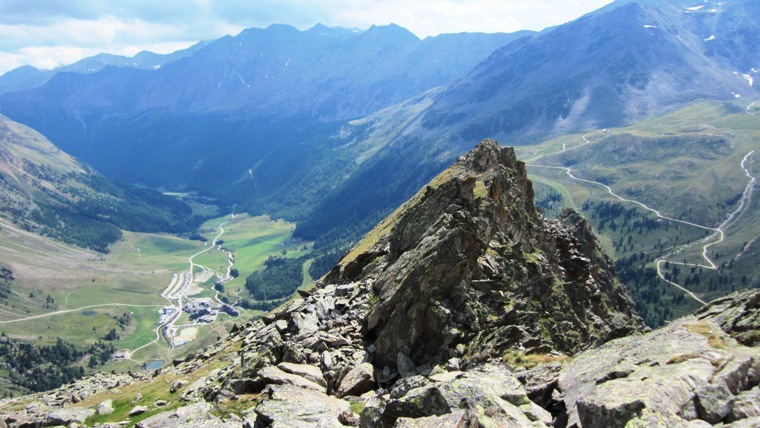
point(394, 31)
point(470, 244)
point(285, 28)
point(486, 155)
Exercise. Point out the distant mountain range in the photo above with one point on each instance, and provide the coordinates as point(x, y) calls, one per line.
point(249, 119)
point(334, 128)
point(28, 77)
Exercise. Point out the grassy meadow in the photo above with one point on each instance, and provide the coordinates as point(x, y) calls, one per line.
point(78, 294)
point(252, 240)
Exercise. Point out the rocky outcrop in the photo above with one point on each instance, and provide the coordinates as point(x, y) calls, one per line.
point(196, 415)
point(737, 314)
point(470, 261)
point(466, 272)
point(468, 269)
point(687, 372)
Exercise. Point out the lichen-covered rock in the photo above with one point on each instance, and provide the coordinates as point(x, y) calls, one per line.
point(196, 415)
point(290, 406)
point(68, 416)
point(457, 418)
point(487, 396)
point(738, 314)
point(686, 371)
point(746, 405)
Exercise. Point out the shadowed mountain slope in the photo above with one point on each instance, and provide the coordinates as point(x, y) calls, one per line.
point(45, 190)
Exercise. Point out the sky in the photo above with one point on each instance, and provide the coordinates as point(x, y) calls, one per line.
point(49, 33)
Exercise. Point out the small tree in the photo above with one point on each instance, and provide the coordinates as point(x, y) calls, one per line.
point(112, 335)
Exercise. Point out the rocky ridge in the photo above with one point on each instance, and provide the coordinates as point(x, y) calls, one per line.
point(434, 320)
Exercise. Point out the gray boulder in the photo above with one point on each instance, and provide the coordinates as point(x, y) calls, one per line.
point(306, 371)
point(137, 410)
point(487, 396)
point(196, 415)
point(68, 416)
point(177, 385)
point(690, 370)
point(746, 405)
point(357, 381)
point(105, 407)
point(290, 406)
point(273, 375)
point(455, 419)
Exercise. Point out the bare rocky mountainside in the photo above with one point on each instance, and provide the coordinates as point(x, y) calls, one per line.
point(465, 307)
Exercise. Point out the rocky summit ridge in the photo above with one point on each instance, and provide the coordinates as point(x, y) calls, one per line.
point(465, 307)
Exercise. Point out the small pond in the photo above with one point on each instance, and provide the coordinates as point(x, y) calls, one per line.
point(154, 364)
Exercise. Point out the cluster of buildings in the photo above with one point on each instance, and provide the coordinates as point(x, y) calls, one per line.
point(166, 313)
point(201, 310)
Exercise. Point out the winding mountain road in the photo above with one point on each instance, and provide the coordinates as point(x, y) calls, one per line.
point(67, 311)
point(718, 232)
point(748, 109)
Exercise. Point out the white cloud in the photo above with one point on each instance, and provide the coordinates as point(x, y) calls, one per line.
point(46, 33)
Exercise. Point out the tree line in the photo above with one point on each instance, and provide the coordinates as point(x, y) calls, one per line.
point(280, 278)
point(41, 368)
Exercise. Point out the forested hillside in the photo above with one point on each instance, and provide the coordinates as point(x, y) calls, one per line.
point(44, 190)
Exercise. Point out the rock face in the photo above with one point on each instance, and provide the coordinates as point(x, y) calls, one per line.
point(196, 415)
point(431, 319)
point(470, 261)
point(737, 314)
point(687, 371)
